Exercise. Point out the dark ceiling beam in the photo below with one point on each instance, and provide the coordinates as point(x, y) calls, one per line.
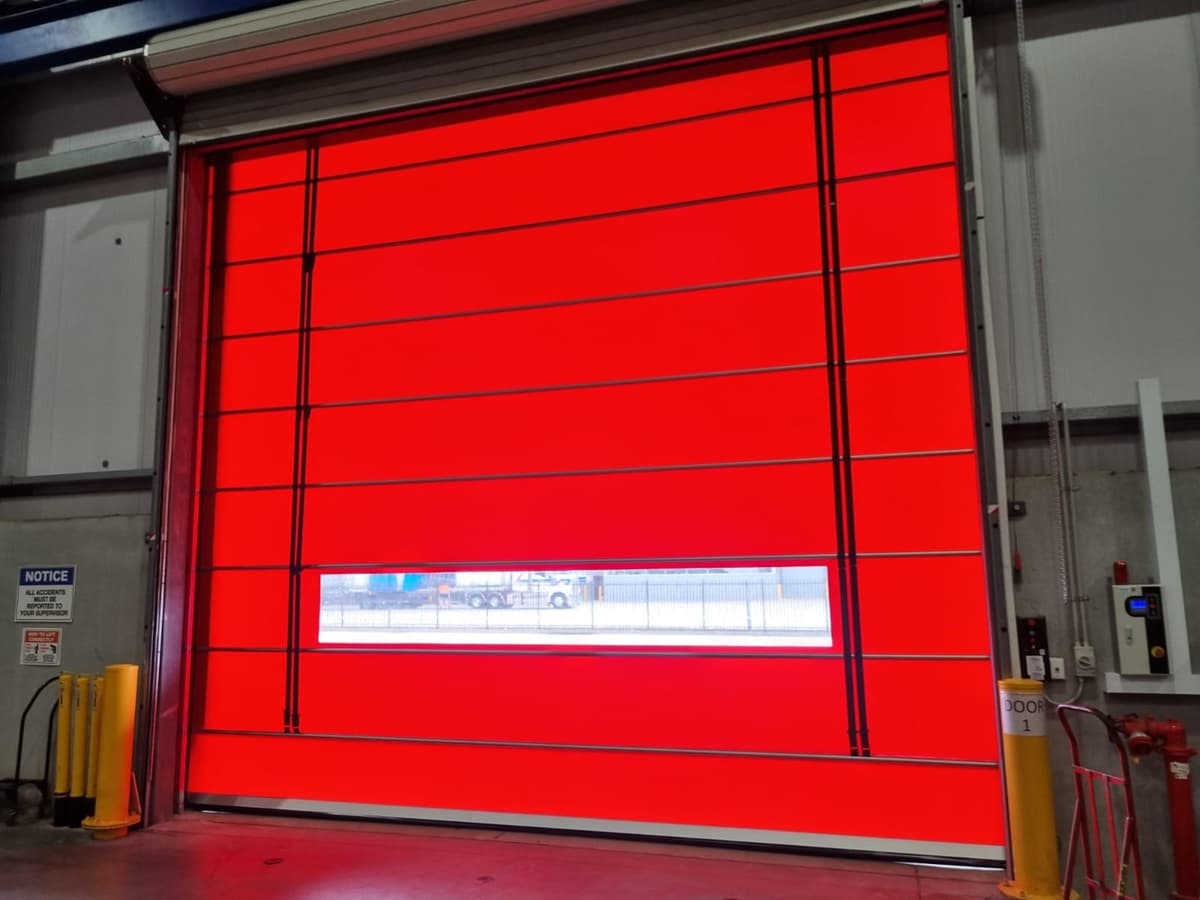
point(35, 45)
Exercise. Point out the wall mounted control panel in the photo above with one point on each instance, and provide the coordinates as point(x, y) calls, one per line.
point(1140, 630)
point(1035, 648)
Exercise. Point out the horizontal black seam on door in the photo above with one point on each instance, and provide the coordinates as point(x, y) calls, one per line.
point(538, 389)
point(583, 473)
point(890, 554)
point(543, 223)
point(612, 562)
point(910, 357)
point(577, 138)
point(522, 148)
point(580, 301)
point(443, 650)
point(591, 217)
point(608, 748)
point(891, 82)
point(908, 454)
point(573, 563)
point(900, 263)
point(517, 476)
point(586, 385)
point(530, 307)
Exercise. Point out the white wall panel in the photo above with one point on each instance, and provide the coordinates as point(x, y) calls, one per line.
point(80, 276)
point(1116, 112)
point(78, 311)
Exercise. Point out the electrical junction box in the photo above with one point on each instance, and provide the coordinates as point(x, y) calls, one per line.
point(1140, 631)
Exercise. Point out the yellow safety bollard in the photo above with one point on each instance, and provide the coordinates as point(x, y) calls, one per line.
point(79, 739)
point(94, 742)
point(62, 748)
point(1030, 793)
point(117, 806)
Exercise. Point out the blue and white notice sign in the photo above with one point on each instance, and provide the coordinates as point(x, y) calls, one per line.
point(45, 593)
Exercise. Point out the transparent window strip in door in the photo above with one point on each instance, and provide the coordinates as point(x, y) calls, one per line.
point(737, 606)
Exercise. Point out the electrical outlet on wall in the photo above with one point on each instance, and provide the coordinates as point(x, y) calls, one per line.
point(1085, 661)
point(1058, 668)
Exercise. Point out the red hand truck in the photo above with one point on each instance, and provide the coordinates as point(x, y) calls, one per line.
point(1124, 859)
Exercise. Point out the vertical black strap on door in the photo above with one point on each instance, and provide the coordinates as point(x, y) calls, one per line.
point(291, 710)
point(218, 175)
point(839, 419)
point(850, 561)
point(215, 344)
point(819, 137)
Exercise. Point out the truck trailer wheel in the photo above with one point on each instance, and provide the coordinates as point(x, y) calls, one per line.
point(495, 601)
point(475, 601)
point(559, 601)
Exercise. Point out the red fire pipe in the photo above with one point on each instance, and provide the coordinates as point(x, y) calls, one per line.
point(1169, 738)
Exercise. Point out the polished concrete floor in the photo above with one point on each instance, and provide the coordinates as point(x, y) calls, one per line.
point(228, 857)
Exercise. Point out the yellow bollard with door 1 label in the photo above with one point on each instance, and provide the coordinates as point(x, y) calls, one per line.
point(1035, 873)
point(1022, 712)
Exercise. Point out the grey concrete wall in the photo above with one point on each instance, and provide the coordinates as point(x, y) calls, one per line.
point(1115, 102)
point(104, 536)
point(1113, 516)
point(80, 295)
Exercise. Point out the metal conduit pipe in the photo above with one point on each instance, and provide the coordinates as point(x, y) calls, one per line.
point(1068, 535)
point(155, 613)
point(1080, 597)
point(1061, 569)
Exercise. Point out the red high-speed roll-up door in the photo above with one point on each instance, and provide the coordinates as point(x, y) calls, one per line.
point(566, 460)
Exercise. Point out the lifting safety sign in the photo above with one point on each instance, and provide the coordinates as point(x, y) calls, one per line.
point(41, 646)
